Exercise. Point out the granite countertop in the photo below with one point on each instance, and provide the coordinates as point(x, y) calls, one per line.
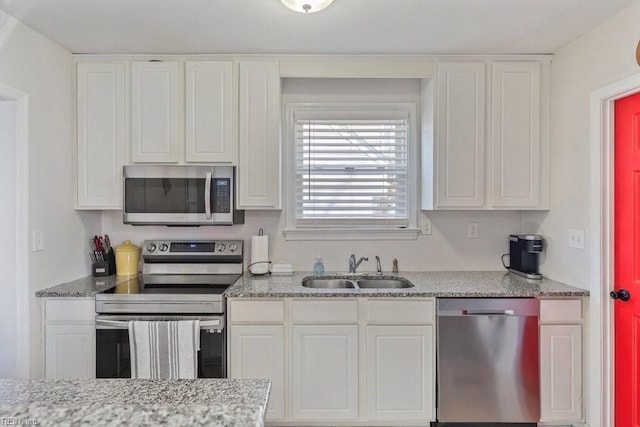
point(441, 284)
point(213, 402)
point(86, 287)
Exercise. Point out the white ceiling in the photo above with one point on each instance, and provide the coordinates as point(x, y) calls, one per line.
point(346, 27)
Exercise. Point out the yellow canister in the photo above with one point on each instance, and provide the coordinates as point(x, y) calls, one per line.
point(127, 257)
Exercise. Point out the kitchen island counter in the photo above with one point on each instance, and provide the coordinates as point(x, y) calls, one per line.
point(214, 402)
point(439, 284)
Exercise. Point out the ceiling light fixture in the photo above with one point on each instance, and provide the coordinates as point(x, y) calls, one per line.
point(307, 6)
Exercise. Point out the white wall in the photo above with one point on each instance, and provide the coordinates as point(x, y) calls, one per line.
point(446, 249)
point(35, 65)
point(8, 312)
point(604, 55)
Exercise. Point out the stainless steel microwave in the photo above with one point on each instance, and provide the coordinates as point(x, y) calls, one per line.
point(179, 195)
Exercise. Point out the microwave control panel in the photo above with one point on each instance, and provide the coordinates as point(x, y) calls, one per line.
point(221, 195)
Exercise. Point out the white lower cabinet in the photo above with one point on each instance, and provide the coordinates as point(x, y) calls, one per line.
point(70, 338)
point(561, 361)
point(400, 380)
point(258, 352)
point(341, 361)
point(325, 372)
point(256, 339)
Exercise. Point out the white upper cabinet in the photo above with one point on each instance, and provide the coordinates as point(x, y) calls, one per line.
point(515, 129)
point(154, 112)
point(102, 133)
point(491, 136)
point(209, 112)
point(460, 137)
point(259, 168)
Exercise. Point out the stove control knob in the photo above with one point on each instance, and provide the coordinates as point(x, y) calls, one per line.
point(164, 247)
point(233, 247)
point(151, 247)
point(220, 247)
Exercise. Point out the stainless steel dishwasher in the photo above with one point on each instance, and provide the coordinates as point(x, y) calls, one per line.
point(487, 360)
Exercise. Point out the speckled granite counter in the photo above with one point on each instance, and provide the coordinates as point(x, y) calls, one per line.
point(213, 402)
point(85, 287)
point(442, 284)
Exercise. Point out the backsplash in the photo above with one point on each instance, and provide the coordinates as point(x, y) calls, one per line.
point(447, 248)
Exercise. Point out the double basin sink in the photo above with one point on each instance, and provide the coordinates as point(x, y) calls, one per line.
point(356, 283)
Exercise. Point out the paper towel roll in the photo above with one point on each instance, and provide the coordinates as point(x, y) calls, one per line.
point(259, 252)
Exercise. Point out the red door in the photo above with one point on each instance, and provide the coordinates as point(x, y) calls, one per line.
point(627, 262)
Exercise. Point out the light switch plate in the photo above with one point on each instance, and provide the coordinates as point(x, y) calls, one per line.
point(473, 230)
point(37, 241)
point(425, 226)
point(576, 238)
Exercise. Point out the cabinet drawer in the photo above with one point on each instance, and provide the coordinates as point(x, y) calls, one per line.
point(305, 311)
point(561, 310)
point(399, 311)
point(257, 311)
point(66, 310)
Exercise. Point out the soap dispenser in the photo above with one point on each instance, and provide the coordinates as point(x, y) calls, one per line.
point(318, 267)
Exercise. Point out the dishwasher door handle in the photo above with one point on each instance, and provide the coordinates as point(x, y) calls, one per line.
point(487, 312)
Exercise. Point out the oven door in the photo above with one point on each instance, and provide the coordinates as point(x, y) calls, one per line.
point(112, 345)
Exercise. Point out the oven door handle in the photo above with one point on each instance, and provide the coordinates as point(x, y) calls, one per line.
point(215, 325)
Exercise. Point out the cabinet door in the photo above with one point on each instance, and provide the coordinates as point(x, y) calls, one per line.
point(70, 351)
point(209, 109)
point(560, 373)
point(259, 136)
point(460, 144)
point(325, 372)
point(101, 138)
point(515, 129)
point(258, 352)
point(400, 373)
point(154, 115)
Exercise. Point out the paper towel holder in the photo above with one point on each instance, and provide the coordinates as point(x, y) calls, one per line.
point(260, 233)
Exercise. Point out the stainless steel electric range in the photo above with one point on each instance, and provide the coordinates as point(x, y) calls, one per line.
point(180, 280)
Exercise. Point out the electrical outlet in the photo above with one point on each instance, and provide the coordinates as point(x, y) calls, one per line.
point(37, 241)
point(426, 225)
point(576, 238)
point(473, 230)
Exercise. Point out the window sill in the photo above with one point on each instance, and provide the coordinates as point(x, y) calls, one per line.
point(362, 234)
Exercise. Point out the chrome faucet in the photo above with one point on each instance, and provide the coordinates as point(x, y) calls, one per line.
point(353, 265)
point(378, 266)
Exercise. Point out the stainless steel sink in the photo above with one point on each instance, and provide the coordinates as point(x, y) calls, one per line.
point(383, 283)
point(310, 282)
point(356, 283)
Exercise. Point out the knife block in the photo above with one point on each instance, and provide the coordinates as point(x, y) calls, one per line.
point(106, 267)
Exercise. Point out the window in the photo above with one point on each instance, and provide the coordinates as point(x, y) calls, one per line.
point(351, 166)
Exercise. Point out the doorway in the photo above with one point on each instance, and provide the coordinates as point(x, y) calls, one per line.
point(601, 340)
point(14, 291)
point(626, 290)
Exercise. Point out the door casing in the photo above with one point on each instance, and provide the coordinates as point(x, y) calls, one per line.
point(600, 341)
point(22, 226)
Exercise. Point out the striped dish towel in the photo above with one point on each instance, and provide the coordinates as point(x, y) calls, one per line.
point(164, 349)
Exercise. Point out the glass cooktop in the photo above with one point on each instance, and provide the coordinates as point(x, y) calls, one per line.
point(175, 284)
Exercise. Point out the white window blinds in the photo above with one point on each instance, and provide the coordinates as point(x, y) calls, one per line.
point(351, 168)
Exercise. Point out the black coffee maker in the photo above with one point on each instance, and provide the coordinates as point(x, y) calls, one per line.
point(524, 250)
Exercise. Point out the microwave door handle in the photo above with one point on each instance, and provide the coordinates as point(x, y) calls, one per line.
point(207, 195)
